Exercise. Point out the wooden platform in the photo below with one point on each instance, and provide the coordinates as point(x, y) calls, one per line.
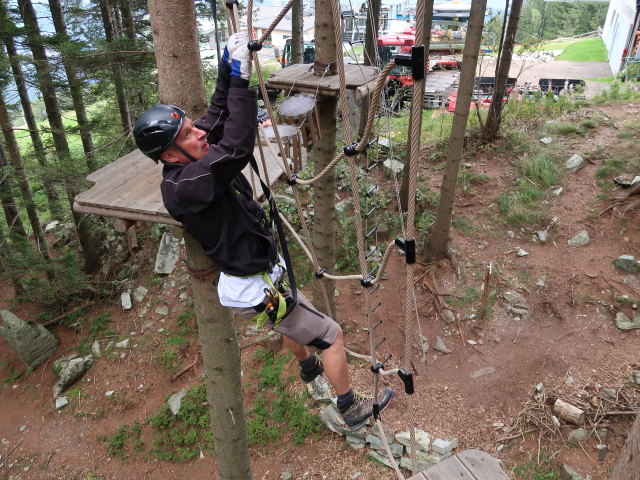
point(466, 465)
point(129, 188)
point(301, 80)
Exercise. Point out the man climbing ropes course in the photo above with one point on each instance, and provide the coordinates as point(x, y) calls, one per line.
point(204, 189)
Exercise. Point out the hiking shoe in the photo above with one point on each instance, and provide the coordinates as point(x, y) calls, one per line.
point(318, 369)
point(362, 408)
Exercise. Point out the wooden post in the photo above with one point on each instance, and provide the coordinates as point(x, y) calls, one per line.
point(175, 39)
point(629, 463)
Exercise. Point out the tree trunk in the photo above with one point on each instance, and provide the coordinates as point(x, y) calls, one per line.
point(18, 289)
point(370, 55)
point(23, 183)
point(46, 85)
point(116, 69)
point(324, 193)
point(297, 32)
point(181, 83)
point(437, 236)
point(49, 188)
point(7, 199)
point(127, 20)
point(629, 462)
point(75, 86)
point(426, 39)
point(494, 118)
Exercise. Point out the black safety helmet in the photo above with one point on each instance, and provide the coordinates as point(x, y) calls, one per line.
point(157, 128)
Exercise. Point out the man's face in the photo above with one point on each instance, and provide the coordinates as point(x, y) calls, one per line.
point(191, 139)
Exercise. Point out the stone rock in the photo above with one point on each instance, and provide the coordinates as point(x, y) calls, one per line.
point(546, 140)
point(95, 349)
point(558, 191)
point(430, 457)
point(628, 263)
point(575, 163)
point(123, 344)
point(355, 441)
point(384, 144)
point(65, 234)
point(482, 372)
point(423, 439)
point(568, 473)
point(139, 293)
point(625, 323)
point(33, 343)
point(286, 475)
point(449, 317)
point(319, 390)
point(543, 235)
point(522, 253)
point(168, 254)
point(162, 310)
point(516, 303)
point(175, 400)
point(541, 281)
point(62, 402)
point(579, 435)
point(392, 168)
point(407, 462)
point(125, 299)
point(70, 370)
point(579, 240)
point(383, 459)
point(51, 226)
point(333, 420)
point(344, 207)
point(440, 346)
point(444, 446)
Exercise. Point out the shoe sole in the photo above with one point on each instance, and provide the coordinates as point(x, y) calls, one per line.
point(363, 423)
point(307, 382)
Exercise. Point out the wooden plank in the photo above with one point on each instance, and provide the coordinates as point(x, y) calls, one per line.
point(129, 188)
point(467, 465)
point(300, 79)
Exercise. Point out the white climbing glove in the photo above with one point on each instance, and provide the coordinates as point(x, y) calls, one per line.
point(241, 62)
point(235, 41)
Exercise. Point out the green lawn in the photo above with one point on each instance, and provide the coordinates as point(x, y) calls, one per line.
point(586, 50)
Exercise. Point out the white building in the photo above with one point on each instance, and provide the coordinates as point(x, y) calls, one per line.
point(264, 15)
point(620, 32)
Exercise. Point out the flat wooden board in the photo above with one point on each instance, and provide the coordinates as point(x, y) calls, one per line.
point(129, 188)
point(298, 77)
point(467, 465)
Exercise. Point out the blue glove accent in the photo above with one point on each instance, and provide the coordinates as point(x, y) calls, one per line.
point(236, 68)
point(225, 55)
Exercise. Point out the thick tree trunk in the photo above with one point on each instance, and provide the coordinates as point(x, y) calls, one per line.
point(75, 86)
point(116, 69)
point(5, 253)
point(324, 193)
point(127, 20)
point(629, 462)
point(437, 236)
point(297, 32)
point(181, 83)
point(370, 55)
point(426, 39)
point(23, 183)
point(49, 188)
point(494, 118)
point(11, 214)
point(46, 85)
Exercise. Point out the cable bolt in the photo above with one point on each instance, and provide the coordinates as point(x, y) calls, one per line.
point(254, 46)
point(407, 379)
point(292, 179)
point(320, 273)
point(350, 150)
point(366, 282)
point(231, 3)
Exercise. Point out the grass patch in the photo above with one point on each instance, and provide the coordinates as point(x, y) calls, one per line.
point(275, 410)
point(534, 470)
point(585, 50)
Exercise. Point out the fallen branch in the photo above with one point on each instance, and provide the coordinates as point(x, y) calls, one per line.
point(187, 368)
point(64, 315)
point(4, 460)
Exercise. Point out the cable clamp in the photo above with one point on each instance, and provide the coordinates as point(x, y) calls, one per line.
point(415, 60)
point(320, 273)
point(366, 282)
point(408, 247)
point(350, 150)
point(254, 46)
point(407, 379)
point(376, 411)
point(292, 179)
point(380, 365)
point(231, 3)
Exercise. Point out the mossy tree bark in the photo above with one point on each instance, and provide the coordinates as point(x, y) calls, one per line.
point(181, 83)
point(324, 193)
point(370, 55)
point(297, 32)
point(437, 236)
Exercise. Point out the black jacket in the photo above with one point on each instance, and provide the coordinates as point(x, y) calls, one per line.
point(211, 197)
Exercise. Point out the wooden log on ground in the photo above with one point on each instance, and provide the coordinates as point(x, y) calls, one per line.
point(568, 412)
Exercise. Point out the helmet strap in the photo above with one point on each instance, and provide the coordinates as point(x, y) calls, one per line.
point(181, 150)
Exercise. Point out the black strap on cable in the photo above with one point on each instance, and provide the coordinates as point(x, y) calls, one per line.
point(275, 217)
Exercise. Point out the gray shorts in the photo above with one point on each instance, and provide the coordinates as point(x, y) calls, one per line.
point(304, 324)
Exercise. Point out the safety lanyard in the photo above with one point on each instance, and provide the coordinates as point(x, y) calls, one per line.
point(275, 218)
